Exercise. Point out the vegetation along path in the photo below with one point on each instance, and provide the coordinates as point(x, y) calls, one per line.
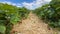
point(32, 25)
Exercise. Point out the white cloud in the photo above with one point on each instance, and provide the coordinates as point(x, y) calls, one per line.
point(18, 5)
point(32, 5)
point(28, 5)
point(47, 0)
point(6, 2)
point(35, 4)
point(11, 3)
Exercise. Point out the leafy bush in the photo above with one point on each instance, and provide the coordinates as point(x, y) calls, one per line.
point(2, 29)
point(50, 13)
point(10, 15)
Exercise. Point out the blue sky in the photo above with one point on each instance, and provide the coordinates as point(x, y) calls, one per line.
point(18, 1)
point(30, 4)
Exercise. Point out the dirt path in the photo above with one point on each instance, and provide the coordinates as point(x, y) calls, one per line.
point(32, 25)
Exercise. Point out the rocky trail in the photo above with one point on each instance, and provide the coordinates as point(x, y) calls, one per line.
point(32, 25)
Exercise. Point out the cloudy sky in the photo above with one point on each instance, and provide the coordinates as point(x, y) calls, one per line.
point(30, 4)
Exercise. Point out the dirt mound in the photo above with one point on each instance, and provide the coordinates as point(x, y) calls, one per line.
point(32, 25)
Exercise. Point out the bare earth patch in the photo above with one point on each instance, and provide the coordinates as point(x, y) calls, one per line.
point(32, 25)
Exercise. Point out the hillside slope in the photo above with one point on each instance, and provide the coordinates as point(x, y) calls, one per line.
point(32, 25)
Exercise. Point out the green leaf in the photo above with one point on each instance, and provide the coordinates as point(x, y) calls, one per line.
point(2, 29)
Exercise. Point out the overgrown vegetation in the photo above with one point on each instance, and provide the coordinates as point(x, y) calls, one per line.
point(10, 15)
point(50, 13)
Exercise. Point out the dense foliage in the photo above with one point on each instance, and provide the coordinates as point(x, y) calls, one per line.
point(50, 13)
point(10, 15)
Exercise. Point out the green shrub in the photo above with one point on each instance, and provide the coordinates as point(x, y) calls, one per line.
point(10, 15)
point(2, 29)
point(50, 13)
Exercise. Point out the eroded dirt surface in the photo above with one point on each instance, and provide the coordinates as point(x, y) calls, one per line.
point(32, 25)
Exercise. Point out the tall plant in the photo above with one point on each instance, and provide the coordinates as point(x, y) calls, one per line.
point(50, 13)
point(10, 15)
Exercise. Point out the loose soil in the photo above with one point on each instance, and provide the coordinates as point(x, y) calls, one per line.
point(32, 25)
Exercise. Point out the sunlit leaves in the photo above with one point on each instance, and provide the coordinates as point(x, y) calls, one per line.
point(50, 13)
point(2, 29)
point(11, 15)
